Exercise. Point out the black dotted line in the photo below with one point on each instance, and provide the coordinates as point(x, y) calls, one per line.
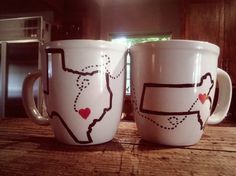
point(99, 65)
point(176, 118)
point(118, 75)
point(105, 66)
point(154, 122)
point(134, 100)
point(85, 83)
point(184, 116)
point(193, 105)
point(109, 73)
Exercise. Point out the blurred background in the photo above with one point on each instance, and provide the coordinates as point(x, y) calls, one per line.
point(25, 24)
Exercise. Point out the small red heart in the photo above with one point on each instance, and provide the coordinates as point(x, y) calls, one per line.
point(84, 113)
point(202, 97)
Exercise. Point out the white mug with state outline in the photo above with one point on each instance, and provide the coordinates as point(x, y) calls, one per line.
point(173, 86)
point(83, 85)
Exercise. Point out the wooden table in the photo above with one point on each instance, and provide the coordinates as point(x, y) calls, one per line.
point(29, 149)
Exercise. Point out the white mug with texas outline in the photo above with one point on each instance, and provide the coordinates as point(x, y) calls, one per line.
point(83, 85)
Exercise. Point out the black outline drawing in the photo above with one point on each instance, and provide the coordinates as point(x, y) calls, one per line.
point(173, 114)
point(61, 52)
point(56, 114)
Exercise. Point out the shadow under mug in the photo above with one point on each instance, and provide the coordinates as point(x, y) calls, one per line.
point(83, 85)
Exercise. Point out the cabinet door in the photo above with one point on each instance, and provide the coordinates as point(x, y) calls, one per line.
point(205, 21)
point(230, 39)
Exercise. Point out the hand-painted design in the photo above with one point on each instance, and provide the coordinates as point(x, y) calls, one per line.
point(118, 75)
point(107, 70)
point(85, 74)
point(135, 106)
point(84, 113)
point(173, 115)
point(102, 68)
point(99, 65)
point(85, 83)
point(54, 114)
point(61, 52)
point(202, 97)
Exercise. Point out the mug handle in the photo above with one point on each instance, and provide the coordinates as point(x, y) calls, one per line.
point(28, 99)
point(224, 99)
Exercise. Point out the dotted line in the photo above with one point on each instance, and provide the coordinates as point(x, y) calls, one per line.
point(118, 75)
point(176, 118)
point(85, 83)
point(193, 105)
point(109, 73)
point(99, 65)
point(184, 116)
point(134, 101)
point(175, 125)
point(105, 66)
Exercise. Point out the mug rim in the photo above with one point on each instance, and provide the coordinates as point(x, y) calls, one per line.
point(85, 43)
point(180, 44)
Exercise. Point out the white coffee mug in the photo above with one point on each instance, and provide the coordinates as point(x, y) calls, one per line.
point(83, 84)
point(173, 87)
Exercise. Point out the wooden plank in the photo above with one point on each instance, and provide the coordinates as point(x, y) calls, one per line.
point(115, 159)
point(147, 160)
point(214, 138)
point(28, 149)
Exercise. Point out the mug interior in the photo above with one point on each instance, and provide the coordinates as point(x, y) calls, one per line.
point(180, 44)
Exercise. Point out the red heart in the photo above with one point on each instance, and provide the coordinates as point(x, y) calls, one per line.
point(84, 113)
point(202, 97)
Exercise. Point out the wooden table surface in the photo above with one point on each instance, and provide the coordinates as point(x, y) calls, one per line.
point(29, 149)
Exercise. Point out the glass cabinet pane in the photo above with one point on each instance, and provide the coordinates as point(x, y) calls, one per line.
point(22, 58)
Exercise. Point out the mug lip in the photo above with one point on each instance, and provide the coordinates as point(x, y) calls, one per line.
point(85, 43)
point(180, 44)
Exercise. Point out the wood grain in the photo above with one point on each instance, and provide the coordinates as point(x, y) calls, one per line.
point(28, 149)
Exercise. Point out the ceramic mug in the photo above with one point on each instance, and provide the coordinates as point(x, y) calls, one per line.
point(83, 84)
point(173, 87)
